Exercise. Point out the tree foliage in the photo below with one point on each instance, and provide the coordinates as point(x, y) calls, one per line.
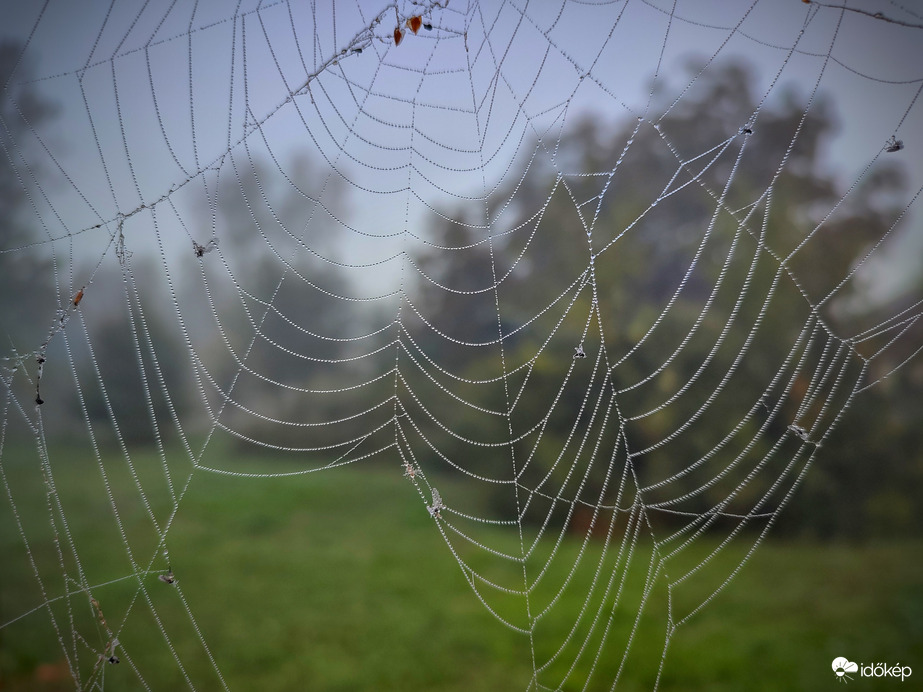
point(690, 271)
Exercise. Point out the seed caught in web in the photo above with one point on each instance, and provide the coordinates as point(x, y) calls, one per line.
point(437, 506)
point(414, 24)
point(578, 352)
point(78, 297)
point(398, 36)
point(167, 578)
point(894, 144)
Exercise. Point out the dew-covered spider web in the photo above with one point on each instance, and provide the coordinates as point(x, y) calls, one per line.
point(598, 280)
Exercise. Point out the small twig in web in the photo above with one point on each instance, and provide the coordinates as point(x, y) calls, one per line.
point(108, 653)
point(99, 613)
point(361, 40)
point(873, 15)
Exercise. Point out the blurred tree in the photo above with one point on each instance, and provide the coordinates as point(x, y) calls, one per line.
point(274, 302)
point(23, 307)
point(689, 262)
point(281, 305)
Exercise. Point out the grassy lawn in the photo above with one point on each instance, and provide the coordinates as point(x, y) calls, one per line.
point(339, 581)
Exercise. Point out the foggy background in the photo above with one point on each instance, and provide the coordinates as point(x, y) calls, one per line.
point(295, 244)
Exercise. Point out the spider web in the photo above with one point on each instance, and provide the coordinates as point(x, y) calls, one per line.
point(293, 234)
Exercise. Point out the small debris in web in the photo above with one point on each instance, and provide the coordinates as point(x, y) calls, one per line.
point(112, 657)
point(398, 36)
point(802, 434)
point(799, 431)
point(204, 249)
point(414, 23)
point(167, 578)
point(78, 297)
point(894, 144)
point(121, 253)
point(436, 508)
point(40, 359)
point(409, 470)
point(578, 352)
point(428, 26)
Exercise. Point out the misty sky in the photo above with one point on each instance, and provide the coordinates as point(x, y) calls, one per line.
point(163, 97)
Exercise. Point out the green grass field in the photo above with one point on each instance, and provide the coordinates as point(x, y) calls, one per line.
point(339, 581)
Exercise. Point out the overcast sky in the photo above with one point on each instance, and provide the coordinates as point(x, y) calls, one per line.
point(153, 94)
